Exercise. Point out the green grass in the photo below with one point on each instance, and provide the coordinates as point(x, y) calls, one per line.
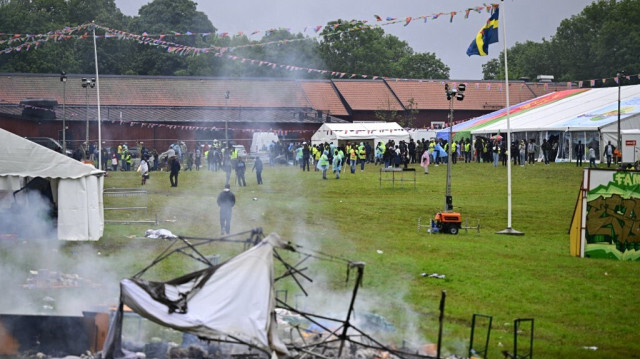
point(575, 302)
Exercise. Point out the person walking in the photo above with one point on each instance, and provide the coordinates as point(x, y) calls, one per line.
point(579, 153)
point(531, 151)
point(226, 201)
point(523, 152)
point(240, 169)
point(592, 157)
point(337, 163)
point(257, 166)
point(323, 164)
point(425, 161)
point(608, 152)
point(144, 170)
point(546, 149)
point(175, 169)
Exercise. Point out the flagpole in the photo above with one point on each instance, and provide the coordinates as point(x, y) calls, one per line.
point(507, 230)
point(95, 56)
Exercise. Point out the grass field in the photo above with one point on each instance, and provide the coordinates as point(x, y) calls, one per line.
point(576, 303)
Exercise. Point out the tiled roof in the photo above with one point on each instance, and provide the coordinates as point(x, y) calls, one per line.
point(479, 95)
point(323, 96)
point(156, 91)
point(371, 95)
point(336, 97)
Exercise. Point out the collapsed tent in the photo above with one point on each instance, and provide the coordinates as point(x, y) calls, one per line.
point(234, 299)
point(372, 132)
point(75, 188)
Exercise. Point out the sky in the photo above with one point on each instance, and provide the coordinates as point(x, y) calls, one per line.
point(524, 20)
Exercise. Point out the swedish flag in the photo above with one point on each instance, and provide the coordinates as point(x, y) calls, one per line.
point(487, 35)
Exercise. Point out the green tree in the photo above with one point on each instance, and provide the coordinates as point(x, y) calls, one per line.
point(351, 47)
point(74, 55)
point(162, 17)
point(493, 70)
point(423, 66)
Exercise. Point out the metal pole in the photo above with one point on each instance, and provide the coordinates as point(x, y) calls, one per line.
point(343, 336)
point(64, 115)
point(507, 230)
point(95, 55)
point(619, 136)
point(226, 121)
point(86, 91)
point(441, 319)
point(448, 202)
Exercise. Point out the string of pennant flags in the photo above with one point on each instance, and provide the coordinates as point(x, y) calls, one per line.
point(315, 29)
point(33, 41)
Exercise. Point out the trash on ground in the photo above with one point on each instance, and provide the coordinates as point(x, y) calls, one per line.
point(160, 233)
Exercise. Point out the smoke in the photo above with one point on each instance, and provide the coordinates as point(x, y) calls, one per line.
point(44, 275)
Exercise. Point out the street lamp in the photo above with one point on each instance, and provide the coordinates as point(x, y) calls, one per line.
point(619, 75)
point(226, 121)
point(86, 83)
point(458, 94)
point(63, 79)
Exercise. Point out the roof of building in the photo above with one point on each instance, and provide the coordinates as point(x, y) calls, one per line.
point(479, 95)
point(368, 95)
point(339, 97)
point(324, 97)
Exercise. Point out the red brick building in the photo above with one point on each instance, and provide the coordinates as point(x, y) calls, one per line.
point(161, 110)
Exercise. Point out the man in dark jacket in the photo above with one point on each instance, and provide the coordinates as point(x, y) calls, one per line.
point(175, 169)
point(226, 201)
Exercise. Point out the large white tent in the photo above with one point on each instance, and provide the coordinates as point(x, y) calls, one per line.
point(76, 187)
point(372, 132)
point(589, 116)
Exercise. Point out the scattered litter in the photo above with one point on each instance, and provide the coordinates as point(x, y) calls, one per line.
point(379, 251)
point(606, 274)
point(159, 233)
point(433, 275)
point(255, 198)
point(170, 220)
point(594, 348)
point(500, 344)
point(133, 236)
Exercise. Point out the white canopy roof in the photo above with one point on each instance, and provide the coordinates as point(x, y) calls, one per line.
point(77, 187)
point(357, 131)
point(587, 111)
point(21, 157)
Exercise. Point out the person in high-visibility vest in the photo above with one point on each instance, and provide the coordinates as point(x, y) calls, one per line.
point(362, 156)
point(323, 164)
point(353, 158)
point(467, 151)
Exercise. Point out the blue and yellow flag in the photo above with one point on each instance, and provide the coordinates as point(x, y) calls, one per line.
point(487, 35)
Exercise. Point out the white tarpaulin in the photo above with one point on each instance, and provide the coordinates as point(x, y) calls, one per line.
point(360, 131)
point(234, 300)
point(77, 187)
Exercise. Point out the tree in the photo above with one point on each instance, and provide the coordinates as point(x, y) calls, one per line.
point(493, 69)
point(162, 17)
point(423, 66)
point(353, 47)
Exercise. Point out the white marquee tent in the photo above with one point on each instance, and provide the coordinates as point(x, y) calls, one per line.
point(590, 116)
point(372, 132)
point(76, 187)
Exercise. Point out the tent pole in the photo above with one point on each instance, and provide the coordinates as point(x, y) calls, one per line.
point(343, 336)
point(507, 230)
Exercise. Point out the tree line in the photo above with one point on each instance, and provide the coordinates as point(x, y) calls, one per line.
point(597, 43)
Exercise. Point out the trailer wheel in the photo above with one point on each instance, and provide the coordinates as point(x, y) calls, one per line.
point(453, 230)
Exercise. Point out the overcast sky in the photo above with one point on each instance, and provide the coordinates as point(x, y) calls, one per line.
point(524, 19)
